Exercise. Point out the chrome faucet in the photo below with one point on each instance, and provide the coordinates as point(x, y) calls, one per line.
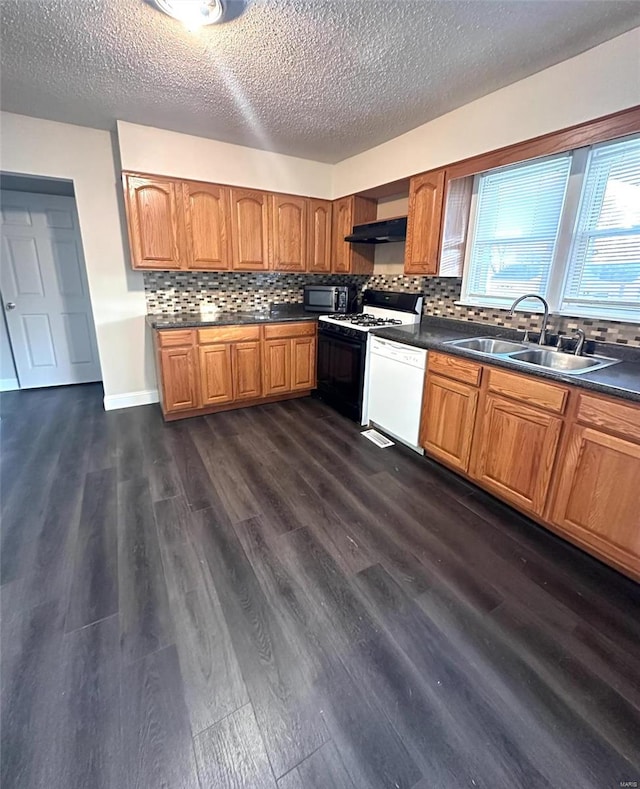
point(582, 338)
point(545, 318)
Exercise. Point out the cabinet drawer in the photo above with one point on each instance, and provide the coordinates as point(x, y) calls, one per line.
point(529, 390)
point(618, 418)
point(228, 334)
point(276, 331)
point(173, 338)
point(456, 368)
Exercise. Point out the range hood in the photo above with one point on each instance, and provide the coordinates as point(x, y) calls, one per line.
point(379, 232)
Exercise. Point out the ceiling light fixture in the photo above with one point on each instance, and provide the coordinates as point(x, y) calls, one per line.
point(193, 13)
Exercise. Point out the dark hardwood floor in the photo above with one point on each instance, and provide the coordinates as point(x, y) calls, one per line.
point(262, 598)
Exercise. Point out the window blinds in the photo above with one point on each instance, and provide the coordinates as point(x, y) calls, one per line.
point(515, 231)
point(604, 262)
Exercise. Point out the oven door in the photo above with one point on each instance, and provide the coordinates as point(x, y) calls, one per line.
point(341, 372)
point(320, 298)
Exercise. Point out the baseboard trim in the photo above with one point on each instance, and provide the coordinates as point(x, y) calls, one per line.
point(9, 384)
point(130, 399)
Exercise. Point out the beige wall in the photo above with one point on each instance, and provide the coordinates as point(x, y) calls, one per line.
point(389, 258)
point(602, 80)
point(150, 150)
point(31, 146)
point(36, 147)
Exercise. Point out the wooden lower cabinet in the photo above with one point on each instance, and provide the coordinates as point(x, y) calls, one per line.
point(229, 372)
point(514, 451)
point(277, 366)
point(597, 499)
point(179, 378)
point(567, 458)
point(289, 365)
point(247, 384)
point(216, 376)
point(303, 363)
point(203, 370)
point(449, 413)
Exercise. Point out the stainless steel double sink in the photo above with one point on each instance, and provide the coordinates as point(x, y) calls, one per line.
point(534, 355)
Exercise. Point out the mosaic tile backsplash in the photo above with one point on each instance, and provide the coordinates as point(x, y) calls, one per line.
point(170, 292)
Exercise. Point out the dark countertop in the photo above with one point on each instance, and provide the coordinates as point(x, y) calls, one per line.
point(620, 380)
point(194, 320)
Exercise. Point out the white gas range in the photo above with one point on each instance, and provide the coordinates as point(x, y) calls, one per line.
point(342, 346)
point(379, 309)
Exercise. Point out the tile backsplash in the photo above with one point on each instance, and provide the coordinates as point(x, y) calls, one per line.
point(181, 291)
point(170, 292)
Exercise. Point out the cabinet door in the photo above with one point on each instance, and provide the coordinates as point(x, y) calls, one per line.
point(216, 383)
point(303, 363)
point(342, 225)
point(207, 226)
point(154, 216)
point(179, 382)
point(516, 448)
point(426, 197)
point(449, 413)
point(289, 232)
point(246, 371)
point(319, 235)
point(276, 367)
point(351, 258)
point(249, 230)
point(597, 494)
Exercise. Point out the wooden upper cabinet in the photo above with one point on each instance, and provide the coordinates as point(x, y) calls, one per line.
point(342, 225)
point(179, 378)
point(351, 258)
point(596, 497)
point(249, 230)
point(154, 217)
point(514, 451)
point(207, 226)
point(424, 223)
point(319, 236)
point(289, 232)
point(448, 416)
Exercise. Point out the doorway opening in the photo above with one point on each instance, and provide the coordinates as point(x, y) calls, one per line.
point(47, 330)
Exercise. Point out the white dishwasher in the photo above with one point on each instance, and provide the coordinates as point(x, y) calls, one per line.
point(396, 383)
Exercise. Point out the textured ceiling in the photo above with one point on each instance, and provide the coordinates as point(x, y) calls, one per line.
point(321, 79)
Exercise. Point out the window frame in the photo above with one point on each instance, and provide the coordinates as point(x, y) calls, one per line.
point(559, 270)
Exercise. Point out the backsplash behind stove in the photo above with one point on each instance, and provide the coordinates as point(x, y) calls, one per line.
point(179, 291)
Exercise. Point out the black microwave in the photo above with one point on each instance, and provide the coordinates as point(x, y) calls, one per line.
point(330, 298)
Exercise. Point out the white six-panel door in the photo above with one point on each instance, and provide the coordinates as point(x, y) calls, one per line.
point(44, 291)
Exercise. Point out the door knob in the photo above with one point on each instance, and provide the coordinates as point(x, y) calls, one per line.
point(10, 305)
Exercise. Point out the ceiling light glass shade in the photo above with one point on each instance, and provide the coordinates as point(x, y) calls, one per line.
point(193, 13)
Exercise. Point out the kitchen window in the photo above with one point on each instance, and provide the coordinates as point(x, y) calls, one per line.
point(566, 227)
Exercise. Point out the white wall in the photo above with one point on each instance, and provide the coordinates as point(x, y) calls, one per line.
point(148, 150)
point(602, 80)
point(36, 147)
